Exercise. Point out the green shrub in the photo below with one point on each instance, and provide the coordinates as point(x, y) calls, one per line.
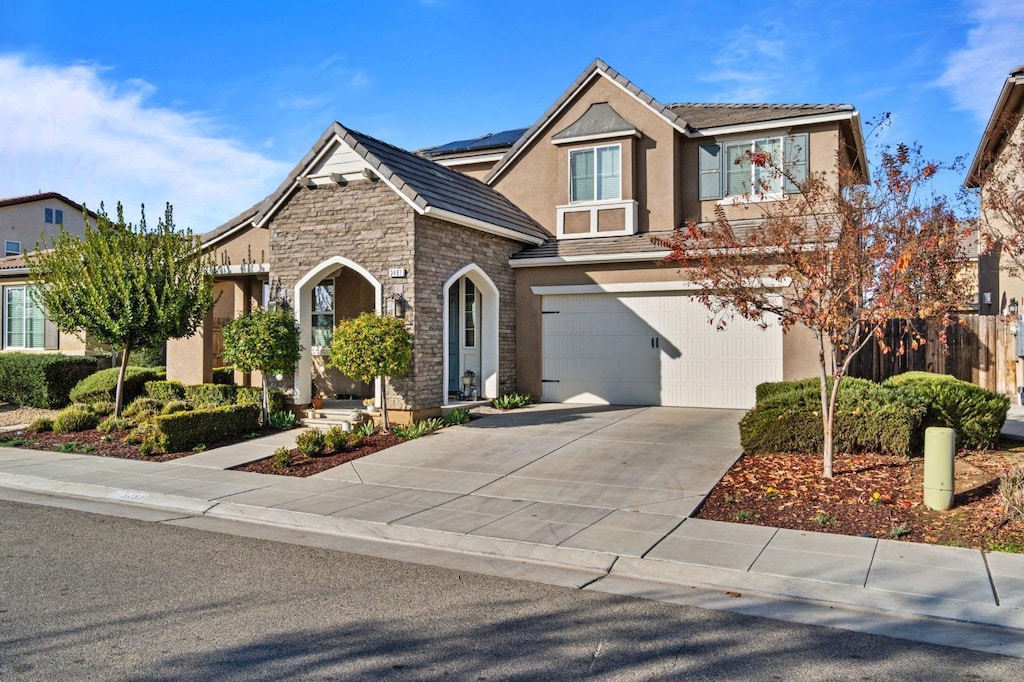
point(311, 442)
point(102, 408)
point(147, 357)
point(770, 389)
point(211, 395)
point(974, 413)
point(253, 395)
point(182, 431)
point(165, 391)
point(143, 409)
point(40, 425)
point(282, 419)
point(282, 458)
point(364, 430)
point(101, 386)
point(511, 401)
point(115, 424)
point(459, 415)
point(72, 419)
point(224, 375)
point(336, 439)
point(41, 379)
point(415, 430)
point(891, 429)
point(175, 406)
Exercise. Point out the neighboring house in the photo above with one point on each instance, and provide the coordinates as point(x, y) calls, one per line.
point(24, 222)
point(998, 167)
point(525, 256)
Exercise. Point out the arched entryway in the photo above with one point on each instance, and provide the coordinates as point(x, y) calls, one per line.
point(471, 304)
point(328, 292)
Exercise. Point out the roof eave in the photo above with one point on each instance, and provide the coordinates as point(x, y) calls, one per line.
point(1010, 95)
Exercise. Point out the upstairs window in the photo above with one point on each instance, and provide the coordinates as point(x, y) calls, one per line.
point(48, 215)
point(725, 170)
point(595, 174)
point(12, 247)
point(53, 216)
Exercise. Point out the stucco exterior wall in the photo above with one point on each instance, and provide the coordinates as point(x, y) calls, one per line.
point(25, 222)
point(250, 246)
point(824, 145)
point(538, 180)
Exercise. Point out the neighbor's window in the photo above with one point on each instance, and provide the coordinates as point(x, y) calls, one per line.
point(323, 314)
point(595, 174)
point(24, 324)
point(48, 215)
point(53, 216)
point(12, 247)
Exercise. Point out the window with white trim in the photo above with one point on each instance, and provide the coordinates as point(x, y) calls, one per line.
point(595, 174)
point(323, 314)
point(725, 169)
point(24, 322)
point(12, 247)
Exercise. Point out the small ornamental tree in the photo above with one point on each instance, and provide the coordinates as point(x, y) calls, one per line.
point(371, 346)
point(842, 258)
point(266, 341)
point(124, 285)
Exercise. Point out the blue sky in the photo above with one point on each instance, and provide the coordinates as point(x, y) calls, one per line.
point(208, 105)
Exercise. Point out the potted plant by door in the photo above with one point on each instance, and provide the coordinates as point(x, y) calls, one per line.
point(317, 398)
point(371, 406)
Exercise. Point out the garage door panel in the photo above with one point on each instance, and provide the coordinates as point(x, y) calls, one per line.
point(598, 348)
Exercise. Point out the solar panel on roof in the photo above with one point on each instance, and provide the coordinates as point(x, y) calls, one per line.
point(505, 138)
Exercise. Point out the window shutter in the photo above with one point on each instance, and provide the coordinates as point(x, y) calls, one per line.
point(51, 337)
point(797, 155)
point(710, 171)
point(738, 172)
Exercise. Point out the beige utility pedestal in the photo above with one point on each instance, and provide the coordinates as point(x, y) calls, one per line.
point(939, 454)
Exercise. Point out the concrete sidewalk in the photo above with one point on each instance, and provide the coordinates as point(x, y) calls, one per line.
point(595, 497)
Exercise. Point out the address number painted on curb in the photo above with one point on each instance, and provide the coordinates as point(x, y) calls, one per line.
point(128, 496)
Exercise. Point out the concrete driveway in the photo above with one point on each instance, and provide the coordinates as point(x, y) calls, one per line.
point(659, 460)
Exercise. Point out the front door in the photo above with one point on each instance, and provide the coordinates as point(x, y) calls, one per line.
point(463, 334)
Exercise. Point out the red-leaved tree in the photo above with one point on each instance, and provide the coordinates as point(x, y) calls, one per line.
point(842, 258)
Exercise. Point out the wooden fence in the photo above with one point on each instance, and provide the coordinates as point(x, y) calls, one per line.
point(979, 349)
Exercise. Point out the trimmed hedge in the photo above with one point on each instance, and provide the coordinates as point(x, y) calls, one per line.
point(41, 379)
point(891, 429)
point(974, 413)
point(183, 431)
point(253, 395)
point(101, 386)
point(224, 375)
point(889, 417)
point(75, 418)
point(165, 391)
point(211, 395)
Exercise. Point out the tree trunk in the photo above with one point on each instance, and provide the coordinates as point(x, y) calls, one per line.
point(827, 410)
point(385, 425)
point(119, 391)
point(266, 400)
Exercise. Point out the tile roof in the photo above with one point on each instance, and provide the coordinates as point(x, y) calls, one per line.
point(13, 262)
point(42, 196)
point(700, 116)
point(594, 246)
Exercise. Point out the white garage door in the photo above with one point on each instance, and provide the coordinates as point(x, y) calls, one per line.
point(652, 349)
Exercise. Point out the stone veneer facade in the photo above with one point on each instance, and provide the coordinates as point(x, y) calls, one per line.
point(367, 223)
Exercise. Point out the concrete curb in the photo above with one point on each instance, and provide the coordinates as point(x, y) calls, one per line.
point(600, 564)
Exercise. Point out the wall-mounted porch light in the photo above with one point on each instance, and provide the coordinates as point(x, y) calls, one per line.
point(395, 305)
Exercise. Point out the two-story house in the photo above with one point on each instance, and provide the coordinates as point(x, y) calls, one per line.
point(25, 221)
point(525, 257)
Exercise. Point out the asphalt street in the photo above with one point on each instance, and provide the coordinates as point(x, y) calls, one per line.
point(86, 596)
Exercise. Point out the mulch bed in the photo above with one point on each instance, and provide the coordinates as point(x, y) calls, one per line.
point(307, 466)
point(789, 491)
point(92, 442)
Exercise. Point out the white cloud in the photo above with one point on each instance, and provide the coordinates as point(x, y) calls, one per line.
point(975, 73)
point(74, 130)
point(748, 54)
